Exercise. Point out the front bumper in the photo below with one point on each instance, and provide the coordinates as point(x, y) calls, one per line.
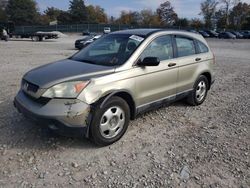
point(58, 114)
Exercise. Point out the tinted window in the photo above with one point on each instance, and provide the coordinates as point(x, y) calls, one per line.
point(202, 47)
point(185, 46)
point(161, 47)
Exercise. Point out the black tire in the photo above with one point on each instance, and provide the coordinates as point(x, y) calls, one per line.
point(96, 135)
point(40, 38)
point(193, 98)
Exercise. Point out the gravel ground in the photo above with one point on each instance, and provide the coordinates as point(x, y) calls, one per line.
point(175, 146)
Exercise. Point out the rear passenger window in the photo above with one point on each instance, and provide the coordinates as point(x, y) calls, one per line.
point(161, 47)
point(185, 46)
point(202, 47)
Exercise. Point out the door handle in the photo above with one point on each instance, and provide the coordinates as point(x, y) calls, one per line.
point(197, 59)
point(171, 64)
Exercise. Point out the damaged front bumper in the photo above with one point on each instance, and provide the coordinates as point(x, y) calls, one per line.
point(58, 114)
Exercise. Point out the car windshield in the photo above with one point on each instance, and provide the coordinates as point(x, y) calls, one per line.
point(110, 50)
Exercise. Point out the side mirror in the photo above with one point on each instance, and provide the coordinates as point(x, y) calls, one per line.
point(149, 62)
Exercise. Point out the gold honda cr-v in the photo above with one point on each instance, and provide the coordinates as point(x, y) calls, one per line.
point(102, 87)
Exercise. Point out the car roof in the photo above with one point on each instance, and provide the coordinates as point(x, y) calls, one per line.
point(147, 32)
point(140, 32)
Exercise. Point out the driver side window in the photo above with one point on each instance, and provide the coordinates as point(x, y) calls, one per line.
point(160, 47)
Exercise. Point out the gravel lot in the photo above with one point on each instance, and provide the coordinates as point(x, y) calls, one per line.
point(175, 146)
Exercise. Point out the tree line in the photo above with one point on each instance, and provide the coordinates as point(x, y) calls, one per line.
point(228, 14)
point(224, 14)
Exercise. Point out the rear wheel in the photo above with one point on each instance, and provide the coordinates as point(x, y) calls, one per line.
point(199, 93)
point(110, 123)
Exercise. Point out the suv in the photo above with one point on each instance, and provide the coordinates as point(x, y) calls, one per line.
point(106, 30)
point(104, 86)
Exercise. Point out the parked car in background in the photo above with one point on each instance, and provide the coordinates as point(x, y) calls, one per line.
point(226, 35)
point(192, 30)
point(106, 30)
point(100, 89)
point(246, 34)
point(237, 34)
point(212, 33)
point(204, 34)
point(82, 43)
point(86, 33)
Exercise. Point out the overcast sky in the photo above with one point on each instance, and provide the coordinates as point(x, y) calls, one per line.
point(184, 8)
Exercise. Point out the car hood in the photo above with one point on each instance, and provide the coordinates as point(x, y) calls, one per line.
point(65, 70)
point(85, 39)
point(80, 40)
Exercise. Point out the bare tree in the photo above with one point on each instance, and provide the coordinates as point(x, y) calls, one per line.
point(227, 6)
point(208, 9)
point(167, 14)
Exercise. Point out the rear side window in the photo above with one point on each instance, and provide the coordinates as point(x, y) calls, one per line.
point(185, 46)
point(202, 47)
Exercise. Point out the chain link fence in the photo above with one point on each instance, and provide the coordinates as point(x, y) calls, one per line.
point(77, 28)
point(97, 28)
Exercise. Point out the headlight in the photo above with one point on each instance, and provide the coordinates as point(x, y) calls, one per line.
point(66, 90)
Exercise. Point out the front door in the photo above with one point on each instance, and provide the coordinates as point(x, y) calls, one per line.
point(157, 83)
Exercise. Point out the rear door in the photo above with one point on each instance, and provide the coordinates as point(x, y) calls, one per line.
point(188, 62)
point(156, 83)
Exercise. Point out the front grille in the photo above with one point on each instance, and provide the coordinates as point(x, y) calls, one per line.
point(41, 100)
point(32, 88)
point(29, 87)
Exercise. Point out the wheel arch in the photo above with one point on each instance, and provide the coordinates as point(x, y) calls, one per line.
point(209, 78)
point(125, 95)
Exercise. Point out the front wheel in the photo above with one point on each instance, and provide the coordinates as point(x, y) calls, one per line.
point(110, 123)
point(199, 93)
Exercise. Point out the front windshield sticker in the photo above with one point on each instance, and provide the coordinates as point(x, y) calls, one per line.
point(137, 38)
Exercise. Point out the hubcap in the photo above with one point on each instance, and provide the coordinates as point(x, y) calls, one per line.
point(112, 122)
point(201, 91)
